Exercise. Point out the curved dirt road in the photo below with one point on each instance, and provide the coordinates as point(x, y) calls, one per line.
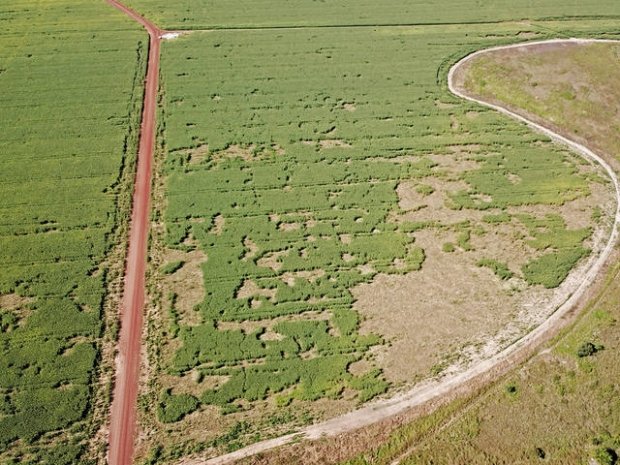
point(484, 371)
point(123, 411)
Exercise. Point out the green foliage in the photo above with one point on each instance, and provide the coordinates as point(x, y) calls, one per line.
point(588, 349)
point(173, 407)
point(303, 169)
point(550, 233)
point(500, 269)
point(172, 267)
point(38, 410)
point(497, 219)
point(370, 385)
point(273, 13)
point(520, 176)
point(231, 438)
point(551, 269)
point(448, 247)
point(61, 453)
point(67, 152)
point(425, 189)
point(511, 388)
point(605, 456)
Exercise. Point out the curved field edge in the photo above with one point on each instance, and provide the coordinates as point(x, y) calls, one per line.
point(483, 371)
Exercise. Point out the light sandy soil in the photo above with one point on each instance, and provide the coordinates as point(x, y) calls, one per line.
point(14, 301)
point(560, 309)
point(251, 289)
point(334, 143)
point(17, 305)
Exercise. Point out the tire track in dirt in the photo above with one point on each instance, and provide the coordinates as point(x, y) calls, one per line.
point(123, 410)
point(484, 371)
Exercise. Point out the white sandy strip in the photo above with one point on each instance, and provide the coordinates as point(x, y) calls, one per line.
point(435, 389)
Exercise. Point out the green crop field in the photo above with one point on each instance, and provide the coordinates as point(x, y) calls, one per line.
point(330, 224)
point(71, 80)
point(288, 160)
point(273, 13)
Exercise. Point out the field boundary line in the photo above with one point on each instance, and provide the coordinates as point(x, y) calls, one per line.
point(123, 411)
point(279, 27)
point(484, 371)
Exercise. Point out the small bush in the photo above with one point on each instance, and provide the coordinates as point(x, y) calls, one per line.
point(174, 407)
point(588, 349)
point(425, 189)
point(448, 247)
point(500, 269)
point(606, 456)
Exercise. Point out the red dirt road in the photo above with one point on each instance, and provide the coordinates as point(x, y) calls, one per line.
point(123, 412)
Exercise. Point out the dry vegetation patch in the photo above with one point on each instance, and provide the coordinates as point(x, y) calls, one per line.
point(186, 283)
point(431, 312)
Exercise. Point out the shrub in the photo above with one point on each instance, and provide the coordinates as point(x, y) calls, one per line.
point(588, 349)
point(500, 269)
point(606, 456)
point(174, 407)
point(172, 267)
point(448, 247)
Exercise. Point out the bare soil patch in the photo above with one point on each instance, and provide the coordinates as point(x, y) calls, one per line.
point(272, 260)
point(198, 155)
point(14, 301)
point(425, 316)
point(187, 283)
point(251, 289)
point(218, 225)
point(334, 143)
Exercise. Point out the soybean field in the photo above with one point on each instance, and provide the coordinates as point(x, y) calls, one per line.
point(217, 14)
point(333, 226)
point(70, 74)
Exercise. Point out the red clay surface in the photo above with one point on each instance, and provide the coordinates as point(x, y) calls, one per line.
point(123, 412)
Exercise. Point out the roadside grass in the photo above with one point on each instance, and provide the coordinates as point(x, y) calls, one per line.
point(566, 404)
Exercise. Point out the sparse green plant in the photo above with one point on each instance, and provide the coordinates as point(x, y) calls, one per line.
point(172, 267)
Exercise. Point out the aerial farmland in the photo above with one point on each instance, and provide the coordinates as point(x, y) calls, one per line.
point(71, 99)
point(333, 228)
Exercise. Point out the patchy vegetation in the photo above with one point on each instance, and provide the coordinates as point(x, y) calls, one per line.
point(298, 202)
point(561, 405)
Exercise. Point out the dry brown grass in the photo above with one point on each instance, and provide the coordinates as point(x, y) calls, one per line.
point(186, 283)
point(428, 314)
